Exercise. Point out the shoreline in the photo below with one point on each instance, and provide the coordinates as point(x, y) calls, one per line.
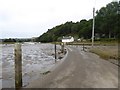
point(37, 59)
point(52, 69)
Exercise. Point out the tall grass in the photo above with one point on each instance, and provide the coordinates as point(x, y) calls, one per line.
point(106, 53)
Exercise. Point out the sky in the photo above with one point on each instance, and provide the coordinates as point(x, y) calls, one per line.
point(32, 18)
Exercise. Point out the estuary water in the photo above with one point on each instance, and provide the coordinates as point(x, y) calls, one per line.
point(37, 58)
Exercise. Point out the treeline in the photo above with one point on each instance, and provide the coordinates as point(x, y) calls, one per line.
point(107, 25)
point(15, 40)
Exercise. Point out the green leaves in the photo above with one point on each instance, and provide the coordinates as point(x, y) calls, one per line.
point(107, 25)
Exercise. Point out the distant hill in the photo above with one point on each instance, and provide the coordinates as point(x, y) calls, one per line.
point(107, 25)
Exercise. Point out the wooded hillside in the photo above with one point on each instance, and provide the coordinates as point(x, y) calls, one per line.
point(107, 25)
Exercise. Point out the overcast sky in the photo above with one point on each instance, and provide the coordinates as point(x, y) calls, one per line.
point(31, 18)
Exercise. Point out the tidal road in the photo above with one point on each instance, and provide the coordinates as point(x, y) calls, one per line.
point(80, 69)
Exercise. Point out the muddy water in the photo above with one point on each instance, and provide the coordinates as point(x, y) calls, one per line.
point(36, 59)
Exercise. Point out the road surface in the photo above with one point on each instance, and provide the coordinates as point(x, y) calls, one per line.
point(80, 69)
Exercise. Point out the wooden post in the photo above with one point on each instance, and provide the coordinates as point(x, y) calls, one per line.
point(62, 47)
point(18, 66)
point(83, 47)
point(93, 27)
point(55, 52)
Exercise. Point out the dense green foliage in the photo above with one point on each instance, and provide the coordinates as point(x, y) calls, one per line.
point(107, 25)
point(15, 40)
point(9, 40)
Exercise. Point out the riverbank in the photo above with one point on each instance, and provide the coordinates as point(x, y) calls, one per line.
point(37, 59)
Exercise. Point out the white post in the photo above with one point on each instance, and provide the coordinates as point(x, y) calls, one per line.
point(93, 27)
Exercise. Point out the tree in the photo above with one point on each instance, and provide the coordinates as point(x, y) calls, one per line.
point(107, 25)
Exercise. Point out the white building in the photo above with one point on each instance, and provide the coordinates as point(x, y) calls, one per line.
point(67, 39)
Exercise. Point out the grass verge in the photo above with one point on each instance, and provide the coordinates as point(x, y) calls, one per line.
point(106, 53)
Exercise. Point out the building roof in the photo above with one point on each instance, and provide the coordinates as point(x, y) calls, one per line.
point(67, 37)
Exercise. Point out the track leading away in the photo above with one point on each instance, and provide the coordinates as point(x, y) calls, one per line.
point(80, 69)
